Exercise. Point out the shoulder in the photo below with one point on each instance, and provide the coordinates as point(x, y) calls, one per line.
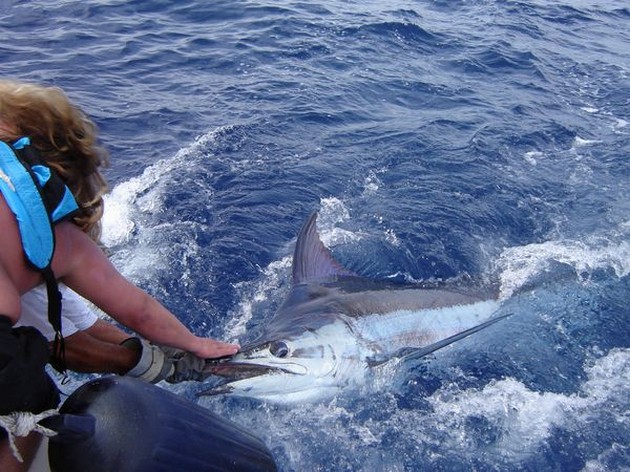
point(71, 244)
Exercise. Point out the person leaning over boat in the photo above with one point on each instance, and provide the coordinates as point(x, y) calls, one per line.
point(43, 121)
point(94, 345)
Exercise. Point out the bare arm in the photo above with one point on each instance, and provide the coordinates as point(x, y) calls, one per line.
point(85, 269)
point(107, 332)
point(86, 353)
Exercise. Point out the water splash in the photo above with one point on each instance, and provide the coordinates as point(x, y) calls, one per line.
point(517, 266)
point(523, 419)
point(126, 204)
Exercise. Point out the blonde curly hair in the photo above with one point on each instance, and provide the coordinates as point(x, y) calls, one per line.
point(66, 139)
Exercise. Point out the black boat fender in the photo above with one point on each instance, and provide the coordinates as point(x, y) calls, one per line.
point(123, 424)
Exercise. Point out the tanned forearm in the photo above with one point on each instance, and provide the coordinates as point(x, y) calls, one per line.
point(85, 353)
point(107, 332)
point(93, 276)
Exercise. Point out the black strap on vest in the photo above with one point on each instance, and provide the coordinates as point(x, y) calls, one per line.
point(58, 359)
point(50, 193)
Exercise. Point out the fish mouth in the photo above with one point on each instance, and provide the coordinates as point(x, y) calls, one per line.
point(245, 365)
point(253, 360)
point(239, 370)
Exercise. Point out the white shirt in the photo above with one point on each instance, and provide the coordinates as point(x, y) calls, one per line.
point(76, 315)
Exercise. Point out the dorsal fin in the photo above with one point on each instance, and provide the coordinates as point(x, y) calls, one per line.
point(312, 261)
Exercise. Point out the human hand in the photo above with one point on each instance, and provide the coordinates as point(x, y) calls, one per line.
point(211, 349)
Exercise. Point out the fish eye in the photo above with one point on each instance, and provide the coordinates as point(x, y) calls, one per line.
point(279, 349)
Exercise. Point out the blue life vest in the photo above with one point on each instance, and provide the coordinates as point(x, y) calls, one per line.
point(38, 198)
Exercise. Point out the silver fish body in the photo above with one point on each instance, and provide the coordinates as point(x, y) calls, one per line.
point(335, 325)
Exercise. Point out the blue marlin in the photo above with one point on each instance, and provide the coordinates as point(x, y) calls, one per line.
point(335, 325)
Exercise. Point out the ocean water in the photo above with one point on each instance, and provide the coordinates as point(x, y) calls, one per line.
point(439, 139)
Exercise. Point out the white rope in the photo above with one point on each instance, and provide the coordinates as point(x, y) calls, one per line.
point(21, 423)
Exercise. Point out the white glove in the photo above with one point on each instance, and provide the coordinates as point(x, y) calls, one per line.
point(159, 363)
point(153, 365)
point(187, 366)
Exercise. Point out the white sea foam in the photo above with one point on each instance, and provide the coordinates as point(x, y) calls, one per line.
point(579, 142)
point(266, 288)
point(525, 418)
point(333, 211)
point(518, 265)
point(130, 210)
point(532, 157)
point(142, 194)
point(620, 123)
point(371, 183)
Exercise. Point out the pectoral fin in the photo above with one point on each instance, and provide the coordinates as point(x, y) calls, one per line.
point(409, 353)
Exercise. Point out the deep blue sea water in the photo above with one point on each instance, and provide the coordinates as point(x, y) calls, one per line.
point(438, 139)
